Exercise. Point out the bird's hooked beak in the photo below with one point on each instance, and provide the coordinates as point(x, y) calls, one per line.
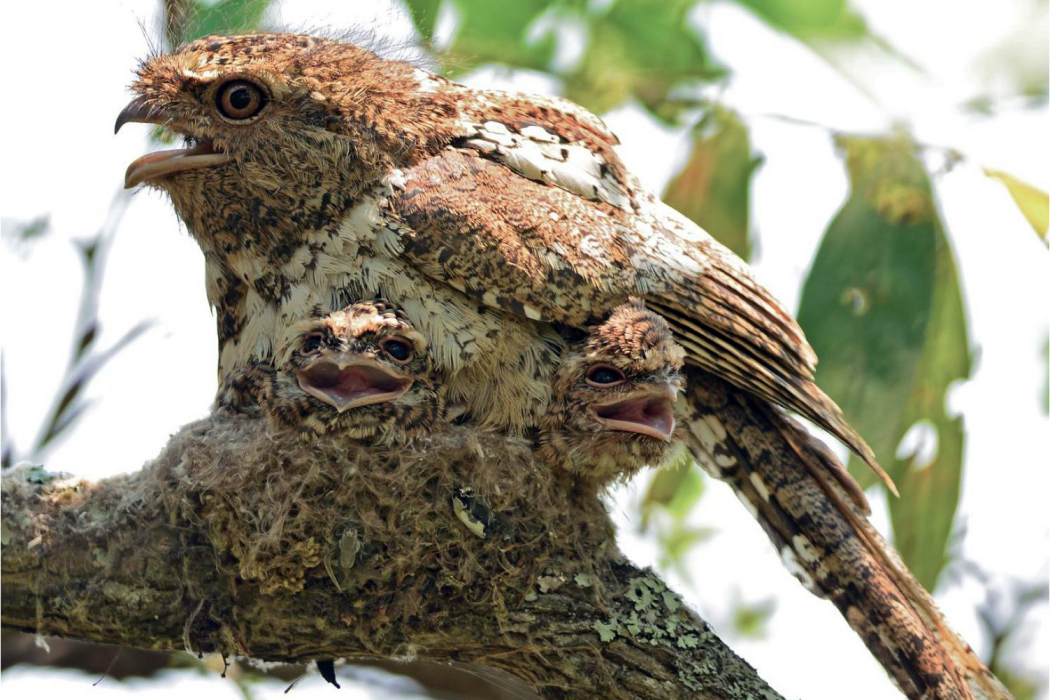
point(158, 163)
point(349, 380)
point(649, 411)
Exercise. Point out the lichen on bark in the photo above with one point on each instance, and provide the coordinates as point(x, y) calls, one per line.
point(240, 541)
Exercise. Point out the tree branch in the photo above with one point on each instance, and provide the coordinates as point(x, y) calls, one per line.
point(239, 542)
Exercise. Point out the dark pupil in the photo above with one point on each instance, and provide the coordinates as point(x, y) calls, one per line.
point(240, 98)
point(604, 375)
point(312, 343)
point(399, 351)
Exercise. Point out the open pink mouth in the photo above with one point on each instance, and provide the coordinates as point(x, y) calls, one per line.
point(349, 385)
point(153, 165)
point(650, 414)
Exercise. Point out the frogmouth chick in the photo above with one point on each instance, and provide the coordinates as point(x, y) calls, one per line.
point(612, 399)
point(362, 372)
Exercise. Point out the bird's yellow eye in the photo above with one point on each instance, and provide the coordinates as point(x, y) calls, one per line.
point(240, 100)
point(397, 349)
point(604, 376)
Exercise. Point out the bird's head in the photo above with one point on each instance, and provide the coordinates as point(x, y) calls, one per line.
point(363, 372)
point(282, 131)
point(612, 399)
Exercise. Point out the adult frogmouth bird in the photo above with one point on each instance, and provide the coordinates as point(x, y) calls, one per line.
point(612, 400)
point(317, 173)
point(363, 372)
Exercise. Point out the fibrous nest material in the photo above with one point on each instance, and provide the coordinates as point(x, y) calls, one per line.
point(284, 515)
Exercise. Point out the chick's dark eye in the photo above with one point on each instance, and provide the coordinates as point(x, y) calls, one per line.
point(397, 349)
point(604, 375)
point(239, 100)
point(311, 344)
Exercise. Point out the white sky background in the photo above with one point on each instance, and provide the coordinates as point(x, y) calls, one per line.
point(66, 69)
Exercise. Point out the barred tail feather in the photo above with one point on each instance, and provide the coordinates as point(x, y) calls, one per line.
point(800, 494)
point(982, 684)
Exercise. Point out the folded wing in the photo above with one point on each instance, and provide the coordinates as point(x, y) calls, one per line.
point(563, 249)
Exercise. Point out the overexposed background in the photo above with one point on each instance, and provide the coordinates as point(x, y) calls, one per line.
point(66, 68)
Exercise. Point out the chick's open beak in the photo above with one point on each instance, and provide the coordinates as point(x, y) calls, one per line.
point(647, 412)
point(346, 380)
point(154, 165)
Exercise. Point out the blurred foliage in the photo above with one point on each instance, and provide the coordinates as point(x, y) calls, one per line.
point(1016, 66)
point(20, 234)
point(671, 496)
point(490, 31)
point(640, 49)
point(1032, 201)
point(1003, 617)
point(714, 187)
point(186, 20)
point(161, 134)
point(87, 356)
point(675, 489)
point(749, 619)
point(812, 21)
point(882, 308)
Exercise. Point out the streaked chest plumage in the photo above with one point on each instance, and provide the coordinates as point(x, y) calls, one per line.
point(497, 365)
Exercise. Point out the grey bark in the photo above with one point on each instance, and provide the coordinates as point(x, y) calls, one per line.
point(206, 549)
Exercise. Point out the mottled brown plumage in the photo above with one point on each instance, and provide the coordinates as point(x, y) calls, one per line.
point(612, 401)
point(319, 173)
point(362, 176)
point(297, 213)
point(824, 539)
point(362, 372)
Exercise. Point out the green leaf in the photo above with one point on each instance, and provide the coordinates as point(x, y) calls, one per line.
point(799, 16)
point(640, 49)
point(164, 135)
point(678, 541)
point(675, 489)
point(199, 19)
point(749, 619)
point(424, 16)
point(922, 517)
point(836, 33)
point(883, 310)
point(714, 187)
point(636, 49)
point(491, 32)
point(1032, 201)
point(866, 302)
point(671, 496)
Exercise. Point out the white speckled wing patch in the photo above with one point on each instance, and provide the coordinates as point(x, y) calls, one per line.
point(540, 155)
